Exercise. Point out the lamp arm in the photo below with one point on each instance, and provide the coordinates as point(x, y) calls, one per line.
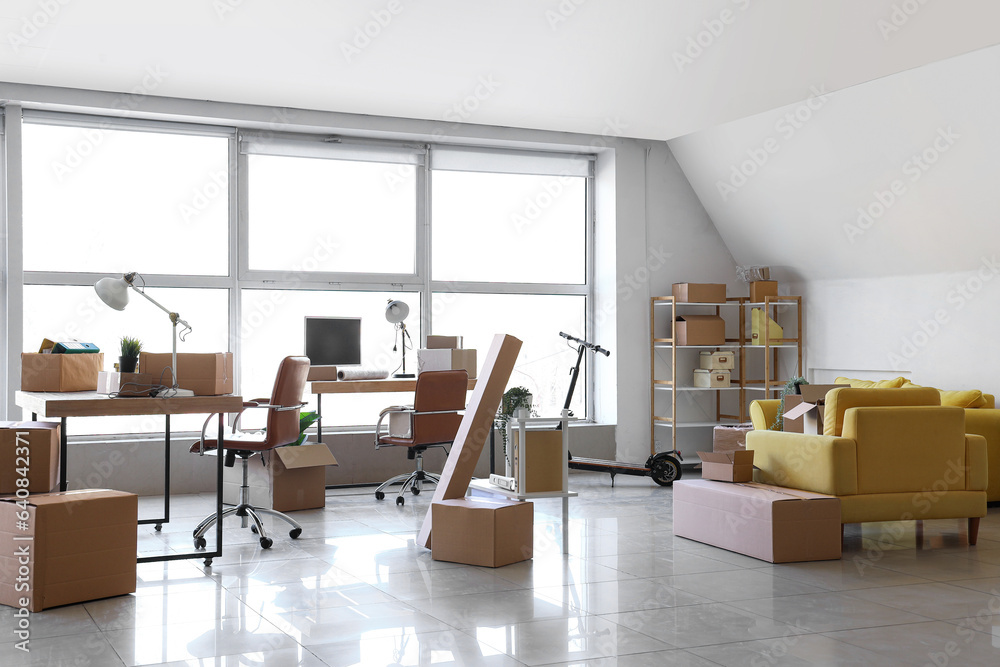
point(174, 317)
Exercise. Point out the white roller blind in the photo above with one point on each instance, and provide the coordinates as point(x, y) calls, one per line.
point(510, 162)
point(263, 144)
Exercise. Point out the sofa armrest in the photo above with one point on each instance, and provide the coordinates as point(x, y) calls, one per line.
point(977, 472)
point(817, 463)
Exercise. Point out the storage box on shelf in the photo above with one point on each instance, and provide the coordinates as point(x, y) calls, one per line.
point(672, 323)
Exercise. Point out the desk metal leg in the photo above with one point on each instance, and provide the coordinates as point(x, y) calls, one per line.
point(63, 454)
point(565, 525)
point(158, 523)
point(319, 417)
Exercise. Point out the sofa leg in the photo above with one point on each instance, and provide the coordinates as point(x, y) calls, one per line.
point(973, 530)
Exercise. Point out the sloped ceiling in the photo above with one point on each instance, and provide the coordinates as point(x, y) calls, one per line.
point(654, 69)
point(894, 177)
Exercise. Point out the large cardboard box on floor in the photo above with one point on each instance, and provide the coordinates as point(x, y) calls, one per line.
point(699, 292)
point(700, 330)
point(729, 466)
point(449, 359)
point(284, 479)
point(60, 372)
point(771, 523)
point(80, 546)
point(204, 374)
point(29, 449)
point(491, 533)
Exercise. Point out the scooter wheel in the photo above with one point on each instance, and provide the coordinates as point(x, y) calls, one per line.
point(665, 469)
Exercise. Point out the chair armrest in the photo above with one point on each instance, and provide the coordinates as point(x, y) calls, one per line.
point(399, 409)
point(977, 469)
point(818, 463)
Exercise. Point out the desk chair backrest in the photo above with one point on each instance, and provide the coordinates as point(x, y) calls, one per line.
point(437, 391)
point(283, 425)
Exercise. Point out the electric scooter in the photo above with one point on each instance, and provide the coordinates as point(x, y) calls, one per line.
point(664, 467)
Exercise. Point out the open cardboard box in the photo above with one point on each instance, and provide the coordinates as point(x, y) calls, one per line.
point(731, 466)
point(290, 478)
point(804, 411)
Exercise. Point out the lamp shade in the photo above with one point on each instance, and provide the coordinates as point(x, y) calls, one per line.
point(113, 292)
point(396, 312)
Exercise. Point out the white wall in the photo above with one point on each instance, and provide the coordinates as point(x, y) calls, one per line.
point(896, 261)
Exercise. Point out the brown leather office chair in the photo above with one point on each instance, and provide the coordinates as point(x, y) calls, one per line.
point(282, 429)
point(434, 418)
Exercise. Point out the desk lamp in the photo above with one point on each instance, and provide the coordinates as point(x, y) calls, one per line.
point(114, 292)
point(395, 313)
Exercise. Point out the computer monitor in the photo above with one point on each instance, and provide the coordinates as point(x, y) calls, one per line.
point(333, 341)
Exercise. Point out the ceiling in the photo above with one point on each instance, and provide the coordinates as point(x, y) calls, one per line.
point(626, 67)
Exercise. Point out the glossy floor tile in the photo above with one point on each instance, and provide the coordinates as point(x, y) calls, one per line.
point(356, 589)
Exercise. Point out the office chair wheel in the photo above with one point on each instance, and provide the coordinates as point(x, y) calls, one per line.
point(158, 527)
point(253, 528)
point(400, 501)
point(208, 562)
point(294, 533)
point(414, 490)
point(379, 495)
point(199, 543)
point(266, 542)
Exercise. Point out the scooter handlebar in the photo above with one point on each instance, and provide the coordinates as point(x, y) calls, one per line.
point(589, 346)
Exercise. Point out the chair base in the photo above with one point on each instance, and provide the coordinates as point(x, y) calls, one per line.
point(412, 480)
point(244, 510)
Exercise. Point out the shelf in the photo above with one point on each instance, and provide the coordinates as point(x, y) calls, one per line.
point(771, 347)
point(657, 422)
point(684, 388)
point(693, 303)
point(760, 304)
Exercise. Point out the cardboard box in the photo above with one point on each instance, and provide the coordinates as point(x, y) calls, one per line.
point(804, 411)
point(41, 461)
point(700, 330)
point(771, 523)
point(205, 374)
point(718, 360)
point(699, 293)
point(775, 332)
point(322, 374)
point(284, 479)
point(730, 438)
point(542, 458)
point(82, 547)
point(763, 288)
point(124, 384)
point(733, 466)
point(400, 425)
point(490, 533)
point(444, 342)
point(711, 379)
point(446, 360)
point(60, 372)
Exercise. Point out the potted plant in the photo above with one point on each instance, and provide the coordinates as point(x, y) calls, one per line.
point(514, 400)
point(130, 348)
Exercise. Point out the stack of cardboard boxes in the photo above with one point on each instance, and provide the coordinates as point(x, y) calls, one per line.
point(445, 353)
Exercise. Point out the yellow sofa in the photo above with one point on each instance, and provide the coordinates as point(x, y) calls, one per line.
point(888, 463)
point(981, 418)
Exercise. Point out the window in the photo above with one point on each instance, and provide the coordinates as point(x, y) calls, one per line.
point(113, 200)
point(245, 233)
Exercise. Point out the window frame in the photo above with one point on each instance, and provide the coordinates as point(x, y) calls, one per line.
point(239, 277)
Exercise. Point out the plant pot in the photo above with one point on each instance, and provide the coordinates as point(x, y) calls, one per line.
point(127, 364)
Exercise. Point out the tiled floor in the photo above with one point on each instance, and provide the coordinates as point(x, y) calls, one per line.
point(355, 590)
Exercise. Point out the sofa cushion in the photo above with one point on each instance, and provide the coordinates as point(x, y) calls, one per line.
point(970, 398)
point(894, 383)
point(908, 448)
point(840, 400)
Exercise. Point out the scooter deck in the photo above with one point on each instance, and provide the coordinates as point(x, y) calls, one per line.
point(604, 465)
